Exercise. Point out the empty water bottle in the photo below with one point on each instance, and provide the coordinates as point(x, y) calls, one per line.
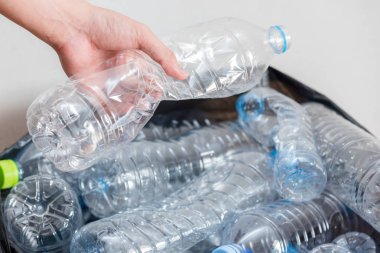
point(145, 172)
point(42, 214)
point(74, 124)
point(331, 248)
point(352, 160)
point(284, 225)
point(29, 161)
point(276, 120)
point(181, 227)
point(356, 242)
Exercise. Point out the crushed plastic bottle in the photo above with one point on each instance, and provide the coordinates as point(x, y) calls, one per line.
point(42, 214)
point(276, 120)
point(356, 242)
point(146, 172)
point(277, 227)
point(30, 161)
point(352, 161)
point(181, 227)
point(78, 123)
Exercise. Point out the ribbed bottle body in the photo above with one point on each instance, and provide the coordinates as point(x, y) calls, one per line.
point(276, 120)
point(145, 172)
point(352, 160)
point(177, 228)
point(282, 225)
point(223, 56)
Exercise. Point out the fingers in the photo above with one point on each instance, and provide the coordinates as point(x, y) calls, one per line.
point(151, 45)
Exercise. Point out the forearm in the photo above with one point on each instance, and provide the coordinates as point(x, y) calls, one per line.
point(84, 35)
point(50, 20)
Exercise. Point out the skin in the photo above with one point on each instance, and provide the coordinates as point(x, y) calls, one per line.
point(84, 35)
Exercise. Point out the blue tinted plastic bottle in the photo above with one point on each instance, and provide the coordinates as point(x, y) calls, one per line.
point(276, 120)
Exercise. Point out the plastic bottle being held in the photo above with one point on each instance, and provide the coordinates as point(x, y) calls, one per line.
point(356, 242)
point(331, 248)
point(42, 214)
point(276, 120)
point(29, 161)
point(77, 123)
point(177, 229)
point(145, 172)
point(352, 160)
point(284, 225)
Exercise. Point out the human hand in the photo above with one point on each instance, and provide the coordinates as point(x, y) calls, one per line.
point(84, 35)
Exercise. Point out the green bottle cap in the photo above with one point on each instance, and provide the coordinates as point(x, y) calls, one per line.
point(9, 176)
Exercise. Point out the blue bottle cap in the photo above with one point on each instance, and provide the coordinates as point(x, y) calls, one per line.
point(279, 39)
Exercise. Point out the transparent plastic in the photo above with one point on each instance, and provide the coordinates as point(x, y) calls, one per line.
point(42, 214)
point(30, 161)
point(172, 125)
point(177, 229)
point(356, 242)
point(75, 124)
point(276, 120)
point(175, 129)
point(282, 225)
point(145, 172)
point(352, 161)
point(331, 248)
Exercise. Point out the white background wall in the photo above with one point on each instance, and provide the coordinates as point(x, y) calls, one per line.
point(335, 50)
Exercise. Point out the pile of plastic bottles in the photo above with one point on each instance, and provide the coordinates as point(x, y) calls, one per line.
point(282, 178)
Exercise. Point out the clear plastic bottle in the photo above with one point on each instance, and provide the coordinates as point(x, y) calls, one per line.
point(276, 227)
point(175, 129)
point(276, 120)
point(331, 248)
point(145, 172)
point(74, 125)
point(42, 214)
point(29, 161)
point(172, 125)
point(177, 229)
point(352, 161)
point(356, 242)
